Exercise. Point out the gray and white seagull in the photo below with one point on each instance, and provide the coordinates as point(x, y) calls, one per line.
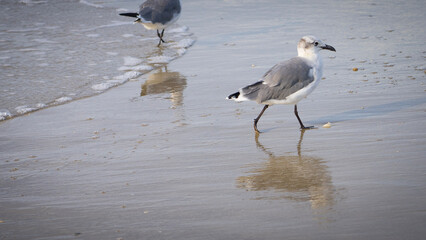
point(157, 14)
point(288, 82)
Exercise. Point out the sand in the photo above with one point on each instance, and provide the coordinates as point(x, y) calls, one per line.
point(165, 156)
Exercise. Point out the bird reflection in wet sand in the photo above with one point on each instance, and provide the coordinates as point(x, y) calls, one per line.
point(165, 82)
point(161, 82)
point(298, 178)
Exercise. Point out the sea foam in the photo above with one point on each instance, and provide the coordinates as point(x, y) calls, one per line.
point(181, 29)
point(136, 68)
point(63, 99)
point(116, 81)
point(4, 114)
point(132, 61)
point(160, 59)
point(91, 4)
point(24, 109)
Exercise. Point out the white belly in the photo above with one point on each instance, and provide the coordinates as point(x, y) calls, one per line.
point(295, 97)
point(149, 25)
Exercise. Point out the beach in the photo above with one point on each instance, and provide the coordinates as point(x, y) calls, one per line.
point(163, 154)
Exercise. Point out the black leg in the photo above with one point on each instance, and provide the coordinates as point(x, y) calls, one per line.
point(300, 121)
point(258, 117)
point(160, 35)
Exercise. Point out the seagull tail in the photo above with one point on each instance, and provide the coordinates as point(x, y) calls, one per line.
point(134, 15)
point(233, 96)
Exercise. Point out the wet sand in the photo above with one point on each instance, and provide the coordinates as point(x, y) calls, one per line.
point(165, 156)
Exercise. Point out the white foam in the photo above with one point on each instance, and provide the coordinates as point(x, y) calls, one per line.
point(181, 51)
point(185, 43)
point(131, 61)
point(63, 99)
point(127, 35)
point(114, 24)
point(102, 86)
point(91, 4)
point(116, 81)
point(182, 45)
point(136, 68)
point(122, 10)
point(31, 2)
point(108, 84)
point(24, 109)
point(179, 29)
point(4, 114)
point(127, 76)
point(160, 59)
point(41, 105)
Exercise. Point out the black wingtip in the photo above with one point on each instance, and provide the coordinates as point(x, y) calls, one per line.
point(135, 15)
point(234, 95)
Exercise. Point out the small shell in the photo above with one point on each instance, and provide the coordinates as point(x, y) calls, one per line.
point(327, 125)
point(355, 69)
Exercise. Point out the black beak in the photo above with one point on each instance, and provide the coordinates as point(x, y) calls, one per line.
point(328, 47)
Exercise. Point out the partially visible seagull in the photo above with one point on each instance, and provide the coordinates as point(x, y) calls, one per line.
point(157, 14)
point(288, 82)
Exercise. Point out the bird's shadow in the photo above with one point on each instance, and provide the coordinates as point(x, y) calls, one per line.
point(376, 110)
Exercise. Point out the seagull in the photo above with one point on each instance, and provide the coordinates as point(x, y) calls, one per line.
point(289, 81)
point(157, 14)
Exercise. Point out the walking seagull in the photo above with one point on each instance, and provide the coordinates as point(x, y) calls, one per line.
point(288, 82)
point(157, 14)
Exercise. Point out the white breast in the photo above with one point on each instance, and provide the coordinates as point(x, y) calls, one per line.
point(304, 92)
point(149, 25)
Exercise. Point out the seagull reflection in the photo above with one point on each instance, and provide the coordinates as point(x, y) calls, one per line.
point(298, 178)
point(165, 82)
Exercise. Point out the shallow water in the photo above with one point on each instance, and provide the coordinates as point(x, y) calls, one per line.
point(165, 156)
point(50, 55)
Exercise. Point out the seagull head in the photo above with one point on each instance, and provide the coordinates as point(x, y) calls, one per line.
point(309, 46)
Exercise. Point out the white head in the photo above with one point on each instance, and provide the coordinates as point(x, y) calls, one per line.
point(309, 46)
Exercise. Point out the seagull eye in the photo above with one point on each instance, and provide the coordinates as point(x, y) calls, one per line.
point(316, 43)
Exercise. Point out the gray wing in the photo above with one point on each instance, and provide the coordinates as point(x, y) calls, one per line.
point(280, 81)
point(159, 11)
